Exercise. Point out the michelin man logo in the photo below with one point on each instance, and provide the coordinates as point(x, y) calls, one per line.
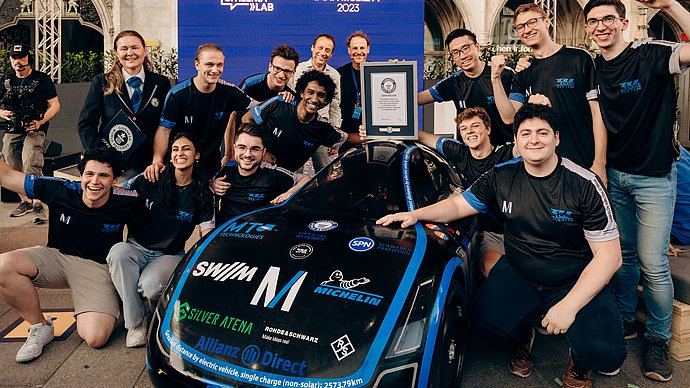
point(253, 5)
point(121, 137)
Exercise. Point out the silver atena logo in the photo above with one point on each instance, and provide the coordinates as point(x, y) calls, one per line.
point(155, 102)
point(388, 85)
point(121, 137)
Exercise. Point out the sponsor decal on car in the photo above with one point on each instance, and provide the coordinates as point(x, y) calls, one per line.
point(322, 225)
point(249, 230)
point(337, 286)
point(221, 272)
point(301, 251)
point(342, 347)
point(394, 248)
point(286, 333)
point(268, 286)
point(361, 244)
point(184, 311)
point(311, 236)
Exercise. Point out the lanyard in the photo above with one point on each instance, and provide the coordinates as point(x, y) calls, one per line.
point(354, 79)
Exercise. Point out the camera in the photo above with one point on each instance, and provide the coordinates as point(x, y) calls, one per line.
point(21, 104)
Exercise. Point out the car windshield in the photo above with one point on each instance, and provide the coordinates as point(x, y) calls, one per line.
point(366, 182)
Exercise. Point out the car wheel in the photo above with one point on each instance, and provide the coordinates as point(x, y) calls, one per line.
point(453, 334)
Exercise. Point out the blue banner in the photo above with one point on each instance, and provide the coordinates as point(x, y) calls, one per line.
point(248, 30)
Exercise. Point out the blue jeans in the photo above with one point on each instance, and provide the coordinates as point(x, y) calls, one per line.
point(643, 208)
point(507, 303)
point(136, 272)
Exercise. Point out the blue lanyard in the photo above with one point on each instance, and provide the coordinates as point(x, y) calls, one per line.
point(354, 79)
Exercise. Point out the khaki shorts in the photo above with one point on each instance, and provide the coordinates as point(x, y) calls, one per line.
point(92, 289)
point(491, 242)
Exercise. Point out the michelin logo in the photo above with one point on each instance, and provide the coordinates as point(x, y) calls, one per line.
point(253, 5)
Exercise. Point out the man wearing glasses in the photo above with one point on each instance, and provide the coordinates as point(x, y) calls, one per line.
point(639, 102)
point(322, 51)
point(565, 76)
point(247, 183)
point(281, 68)
point(474, 85)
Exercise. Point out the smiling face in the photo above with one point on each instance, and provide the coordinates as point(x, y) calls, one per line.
point(465, 53)
point(606, 37)
point(313, 97)
point(130, 53)
point(249, 151)
point(96, 182)
point(536, 141)
point(358, 50)
point(280, 70)
point(473, 132)
point(322, 51)
point(183, 154)
point(534, 28)
point(209, 66)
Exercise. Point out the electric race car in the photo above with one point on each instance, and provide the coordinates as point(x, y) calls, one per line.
point(312, 293)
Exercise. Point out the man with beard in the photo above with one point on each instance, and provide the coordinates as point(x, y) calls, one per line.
point(248, 183)
point(199, 107)
point(294, 131)
point(478, 83)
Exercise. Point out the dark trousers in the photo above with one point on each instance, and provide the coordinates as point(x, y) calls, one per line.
point(507, 303)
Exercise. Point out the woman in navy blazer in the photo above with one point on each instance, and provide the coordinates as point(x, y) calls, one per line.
point(114, 91)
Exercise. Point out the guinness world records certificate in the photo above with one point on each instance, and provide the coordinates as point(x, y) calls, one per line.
point(389, 99)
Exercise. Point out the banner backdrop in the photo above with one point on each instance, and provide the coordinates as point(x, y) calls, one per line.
point(248, 30)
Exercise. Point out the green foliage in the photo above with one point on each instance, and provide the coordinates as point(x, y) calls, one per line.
point(165, 63)
point(5, 68)
point(512, 55)
point(438, 67)
point(81, 66)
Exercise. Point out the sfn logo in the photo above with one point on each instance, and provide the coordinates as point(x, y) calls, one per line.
point(269, 285)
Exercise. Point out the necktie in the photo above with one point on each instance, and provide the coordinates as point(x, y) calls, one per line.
point(135, 83)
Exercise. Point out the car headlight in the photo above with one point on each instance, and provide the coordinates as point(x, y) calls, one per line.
point(409, 335)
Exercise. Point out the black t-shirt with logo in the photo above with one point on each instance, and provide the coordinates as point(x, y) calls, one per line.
point(167, 230)
point(638, 103)
point(291, 141)
point(76, 229)
point(548, 220)
point(256, 87)
point(466, 92)
point(251, 192)
point(31, 92)
point(204, 116)
point(567, 79)
point(471, 168)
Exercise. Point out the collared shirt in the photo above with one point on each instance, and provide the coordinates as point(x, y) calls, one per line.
point(141, 74)
point(331, 112)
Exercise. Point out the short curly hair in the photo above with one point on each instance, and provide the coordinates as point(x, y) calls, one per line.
point(321, 78)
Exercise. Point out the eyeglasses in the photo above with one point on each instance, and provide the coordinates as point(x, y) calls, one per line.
point(241, 148)
point(531, 23)
point(277, 70)
point(463, 50)
point(606, 20)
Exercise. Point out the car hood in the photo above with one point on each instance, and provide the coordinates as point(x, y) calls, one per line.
point(278, 296)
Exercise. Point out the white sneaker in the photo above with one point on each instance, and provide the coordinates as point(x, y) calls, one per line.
point(39, 336)
point(136, 336)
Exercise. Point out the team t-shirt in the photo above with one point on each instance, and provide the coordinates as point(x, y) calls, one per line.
point(167, 230)
point(466, 92)
point(567, 79)
point(76, 229)
point(638, 104)
point(204, 116)
point(291, 141)
point(548, 220)
point(251, 192)
point(256, 87)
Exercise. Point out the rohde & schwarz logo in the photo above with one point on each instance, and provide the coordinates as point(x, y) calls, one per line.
point(361, 244)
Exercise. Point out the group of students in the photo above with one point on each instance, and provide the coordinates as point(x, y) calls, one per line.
point(549, 230)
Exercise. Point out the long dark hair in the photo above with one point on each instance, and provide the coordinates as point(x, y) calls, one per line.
point(168, 190)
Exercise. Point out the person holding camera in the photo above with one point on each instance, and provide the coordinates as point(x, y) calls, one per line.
point(29, 102)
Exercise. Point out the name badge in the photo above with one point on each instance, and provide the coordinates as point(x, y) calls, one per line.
point(357, 113)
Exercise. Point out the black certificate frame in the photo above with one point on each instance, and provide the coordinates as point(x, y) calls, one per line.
point(407, 69)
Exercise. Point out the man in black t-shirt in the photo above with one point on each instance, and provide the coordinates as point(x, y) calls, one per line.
point(201, 108)
point(248, 183)
point(295, 131)
point(638, 100)
point(564, 75)
point(85, 221)
point(562, 248)
point(477, 83)
point(30, 102)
